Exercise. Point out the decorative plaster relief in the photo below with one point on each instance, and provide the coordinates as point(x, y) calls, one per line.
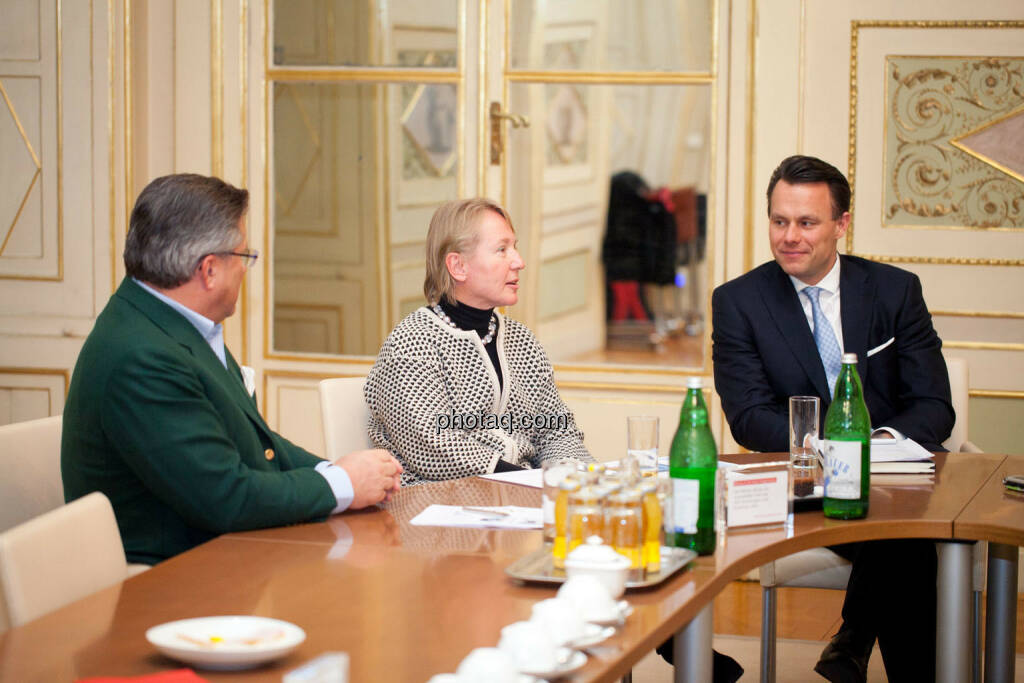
point(946, 115)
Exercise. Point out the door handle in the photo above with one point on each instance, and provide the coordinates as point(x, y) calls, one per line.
point(497, 139)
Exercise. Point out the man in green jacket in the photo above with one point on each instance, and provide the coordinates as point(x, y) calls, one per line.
point(158, 416)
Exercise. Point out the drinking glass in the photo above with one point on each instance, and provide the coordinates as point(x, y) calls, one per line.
point(586, 516)
point(803, 435)
point(552, 473)
point(624, 527)
point(642, 442)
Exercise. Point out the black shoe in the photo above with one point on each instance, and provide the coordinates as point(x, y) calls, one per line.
point(844, 660)
point(724, 669)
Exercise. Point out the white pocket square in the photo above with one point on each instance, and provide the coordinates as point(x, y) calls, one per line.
point(880, 347)
point(249, 379)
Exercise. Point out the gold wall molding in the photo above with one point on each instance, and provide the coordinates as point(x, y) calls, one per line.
point(58, 372)
point(632, 388)
point(995, 393)
point(942, 260)
point(855, 27)
point(977, 314)
point(295, 374)
point(985, 346)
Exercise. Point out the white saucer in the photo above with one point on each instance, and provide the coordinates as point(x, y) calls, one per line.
point(594, 634)
point(622, 610)
point(226, 642)
point(572, 660)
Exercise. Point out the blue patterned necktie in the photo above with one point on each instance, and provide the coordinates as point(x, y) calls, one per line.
point(825, 338)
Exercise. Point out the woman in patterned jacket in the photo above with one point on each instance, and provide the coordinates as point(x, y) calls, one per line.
point(458, 389)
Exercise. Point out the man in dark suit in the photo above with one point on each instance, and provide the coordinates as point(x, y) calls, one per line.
point(159, 417)
point(768, 327)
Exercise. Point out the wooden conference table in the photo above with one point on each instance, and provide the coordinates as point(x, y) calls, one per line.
point(407, 602)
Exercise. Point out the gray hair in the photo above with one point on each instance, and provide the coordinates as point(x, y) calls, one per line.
point(453, 228)
point(177, 220)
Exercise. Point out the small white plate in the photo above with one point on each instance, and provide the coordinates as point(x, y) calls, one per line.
point(622, 610)
point(594, 634)
point(571, 660)
point(225, 643)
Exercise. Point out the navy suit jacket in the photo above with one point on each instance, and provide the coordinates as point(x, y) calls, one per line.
point(763, 352)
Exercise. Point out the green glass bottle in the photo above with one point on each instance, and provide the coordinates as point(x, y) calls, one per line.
point(693, 466)
point(847, 447)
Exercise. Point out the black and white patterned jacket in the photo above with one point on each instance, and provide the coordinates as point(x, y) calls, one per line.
point(435, 404)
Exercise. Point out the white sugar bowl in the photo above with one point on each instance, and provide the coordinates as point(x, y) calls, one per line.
point(594, 558)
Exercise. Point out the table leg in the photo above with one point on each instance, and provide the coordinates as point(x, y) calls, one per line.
point(953, 615)
point(1001, 613)
point(691, 649)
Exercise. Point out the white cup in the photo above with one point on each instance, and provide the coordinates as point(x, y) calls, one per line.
point(530, 644)
point(590, 597)
point(488, 664)
point(561, 619)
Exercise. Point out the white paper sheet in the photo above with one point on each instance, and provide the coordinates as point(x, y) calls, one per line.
point(477, 518)
point(532, 478)
point(920, 467)
point(898, 450)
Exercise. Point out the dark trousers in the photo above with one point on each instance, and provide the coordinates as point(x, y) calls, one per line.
point(891, 597)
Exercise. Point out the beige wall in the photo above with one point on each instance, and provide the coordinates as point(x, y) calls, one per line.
point(190, 97)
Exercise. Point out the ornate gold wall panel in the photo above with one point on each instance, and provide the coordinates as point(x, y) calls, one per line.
point(923, 110)
point(942, 111)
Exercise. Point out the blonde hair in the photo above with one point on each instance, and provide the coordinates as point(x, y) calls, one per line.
point(453, 228)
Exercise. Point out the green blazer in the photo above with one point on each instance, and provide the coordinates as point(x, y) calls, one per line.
point(155, 422)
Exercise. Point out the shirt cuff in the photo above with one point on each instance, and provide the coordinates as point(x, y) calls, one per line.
point(341, 485)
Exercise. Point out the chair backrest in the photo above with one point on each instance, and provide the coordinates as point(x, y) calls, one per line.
point(30, 463)
point(958, 385)
point(59, 557)
point(344, 415)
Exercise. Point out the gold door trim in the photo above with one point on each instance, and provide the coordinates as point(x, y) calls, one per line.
point(611, 77)
point(361, 75)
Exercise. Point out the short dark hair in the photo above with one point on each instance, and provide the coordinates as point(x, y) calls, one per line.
point(177, 220)
point(803, 169)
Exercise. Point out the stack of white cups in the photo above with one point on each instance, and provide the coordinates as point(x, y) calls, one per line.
point(543, 645)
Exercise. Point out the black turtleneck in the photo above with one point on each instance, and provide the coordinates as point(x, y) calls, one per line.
point(476, 319)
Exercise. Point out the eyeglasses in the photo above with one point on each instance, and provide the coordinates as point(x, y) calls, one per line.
point(249, 256)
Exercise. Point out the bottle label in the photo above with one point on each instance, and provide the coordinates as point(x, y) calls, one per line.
point(842, 469)
point(685, 505)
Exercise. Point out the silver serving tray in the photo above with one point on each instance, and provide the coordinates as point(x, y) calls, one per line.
point(537, 567)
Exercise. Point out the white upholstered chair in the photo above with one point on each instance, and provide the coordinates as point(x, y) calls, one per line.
point(822, 568)
point(30, 462)
point(59, 557)
point(344, 415)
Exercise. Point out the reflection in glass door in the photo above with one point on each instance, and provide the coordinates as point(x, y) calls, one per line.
point(365, 104)
point(609, 184)
point(379, 111)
